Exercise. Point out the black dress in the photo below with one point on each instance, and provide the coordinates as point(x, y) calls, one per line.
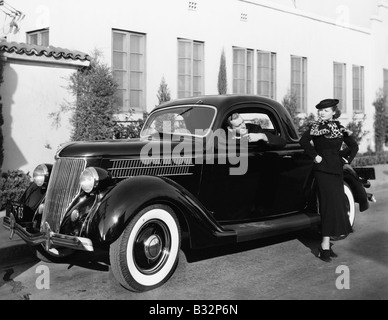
point(327, 138)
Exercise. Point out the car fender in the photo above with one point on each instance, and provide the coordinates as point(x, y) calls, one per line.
point(127, 198)
point(31, 199)
point(358, 190)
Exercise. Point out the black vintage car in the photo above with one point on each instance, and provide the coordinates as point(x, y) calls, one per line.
point(186, 174)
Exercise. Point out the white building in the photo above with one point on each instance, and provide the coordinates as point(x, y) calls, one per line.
point(319, 49)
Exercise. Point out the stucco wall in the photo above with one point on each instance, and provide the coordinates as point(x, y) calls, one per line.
point(354, 32)
point(309, 30)
point(30, 92)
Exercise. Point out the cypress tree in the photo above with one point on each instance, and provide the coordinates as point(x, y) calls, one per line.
point(222, 78)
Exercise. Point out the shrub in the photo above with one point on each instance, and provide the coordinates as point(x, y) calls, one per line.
point(290, 102)
point(12, 186)
point(305, 122)
point(129, 129)
point(94, 89)
point(370, 158)
point(355, 126)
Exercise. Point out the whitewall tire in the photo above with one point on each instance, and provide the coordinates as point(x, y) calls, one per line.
point(350, 206)
point(146, 254)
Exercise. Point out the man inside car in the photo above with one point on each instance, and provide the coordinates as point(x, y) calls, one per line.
point(253, 132)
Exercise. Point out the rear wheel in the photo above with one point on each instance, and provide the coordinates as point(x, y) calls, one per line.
point(350, 206)
point(146, 254)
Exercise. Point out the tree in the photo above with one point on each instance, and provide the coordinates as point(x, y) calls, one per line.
point(164, 94)
point(290, 102)
point(94, 89)
point(380, 123)
point(355, 126)
point(222, 78)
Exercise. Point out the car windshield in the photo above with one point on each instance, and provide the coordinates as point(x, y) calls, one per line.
point(182, 120)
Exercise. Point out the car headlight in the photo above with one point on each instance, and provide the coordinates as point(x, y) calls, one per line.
point(92, 177)
point(41, 175)
point(89, 179)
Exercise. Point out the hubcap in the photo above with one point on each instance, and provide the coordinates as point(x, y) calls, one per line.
point(153, 247)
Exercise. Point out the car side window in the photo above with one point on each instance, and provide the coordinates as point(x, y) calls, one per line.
point(251, 122)
point(260, 119)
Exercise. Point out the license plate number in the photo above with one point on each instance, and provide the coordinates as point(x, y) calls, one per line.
point(16, 209)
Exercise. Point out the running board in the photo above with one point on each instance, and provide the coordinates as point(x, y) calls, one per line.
point(257, 230)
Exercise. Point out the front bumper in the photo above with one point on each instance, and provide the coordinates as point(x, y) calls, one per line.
point(48, 238)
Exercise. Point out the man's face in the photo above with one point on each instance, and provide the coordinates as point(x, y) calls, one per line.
point(238, 123)
point(238, 126)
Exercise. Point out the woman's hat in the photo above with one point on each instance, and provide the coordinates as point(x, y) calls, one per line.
point(327, 103)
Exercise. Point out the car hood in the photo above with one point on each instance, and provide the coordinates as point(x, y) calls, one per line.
point(117, 148)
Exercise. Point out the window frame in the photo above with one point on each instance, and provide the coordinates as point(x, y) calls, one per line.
point(301, 92)
point(248, 77)
point(339, 89)
point(385, 81)
point(127, 87)
point(359, 91)
point(194, 78)
point(271, 74)
point(40, 39)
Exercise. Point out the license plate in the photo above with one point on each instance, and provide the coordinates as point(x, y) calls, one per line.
point(16, 209)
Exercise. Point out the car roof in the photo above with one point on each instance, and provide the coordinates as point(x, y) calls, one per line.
point(218, 101)
point(223, 103)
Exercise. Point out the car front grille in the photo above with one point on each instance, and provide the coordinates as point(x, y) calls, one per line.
point(125, 168)
point(62, 189)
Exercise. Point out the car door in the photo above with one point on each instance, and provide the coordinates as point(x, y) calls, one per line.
point(272, 183)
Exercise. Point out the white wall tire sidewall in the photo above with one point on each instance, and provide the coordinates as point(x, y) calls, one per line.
point(350, 199)
point(151, 280)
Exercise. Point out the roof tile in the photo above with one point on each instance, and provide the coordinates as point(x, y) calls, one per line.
point(56, 52)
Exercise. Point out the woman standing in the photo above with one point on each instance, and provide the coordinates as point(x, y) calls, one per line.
point(322, 142)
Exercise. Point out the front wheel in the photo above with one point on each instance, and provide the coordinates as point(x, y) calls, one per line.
point(146, 254)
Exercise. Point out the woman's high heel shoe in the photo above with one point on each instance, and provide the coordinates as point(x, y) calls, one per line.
point(332, 253)
point(324, 255)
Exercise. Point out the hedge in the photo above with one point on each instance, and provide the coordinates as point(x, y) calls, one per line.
point(369, 159)
point(12, 186)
